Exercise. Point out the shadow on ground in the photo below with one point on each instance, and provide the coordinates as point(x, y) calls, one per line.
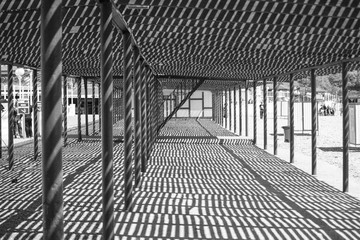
point(194, 188)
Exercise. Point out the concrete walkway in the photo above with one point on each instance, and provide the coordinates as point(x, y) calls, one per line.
point(202, 182)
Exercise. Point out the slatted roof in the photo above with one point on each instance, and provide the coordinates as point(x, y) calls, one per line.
point(215, 39)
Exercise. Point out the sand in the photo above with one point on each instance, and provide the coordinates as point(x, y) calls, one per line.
point(329, 151)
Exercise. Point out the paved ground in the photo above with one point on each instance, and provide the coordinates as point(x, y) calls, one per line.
point(197, 186)
point(72, 124)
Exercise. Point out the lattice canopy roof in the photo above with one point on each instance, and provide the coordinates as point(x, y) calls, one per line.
point(216, 39)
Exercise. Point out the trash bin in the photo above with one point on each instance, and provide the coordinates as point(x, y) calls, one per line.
point(286, 133)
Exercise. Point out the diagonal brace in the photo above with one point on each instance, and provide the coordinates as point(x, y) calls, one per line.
point(180, 104)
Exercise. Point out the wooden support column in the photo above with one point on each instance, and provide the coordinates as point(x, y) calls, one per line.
point(0, 126)
point(167, 106)
point(11, 117)
point(154, 107)
point(93, 105)
point(221, 100)
point(230, 113)
point(121, 100)
point(221, 108)
point(246, 108)
point(86, 107)
point(182, 91)
point(51, 71)
point(65, 110)
point(99, 106)
point(226, 109)
point(161, 105)
point(117, 98)
point(106, 57)
point(158, 104)
point(275, 88)
point(218, 106)
point(176, 100)
point(148, 112)
point(202, 103)
point(213, 114)
point(313, 122)
point(240, 111)
point(114, 106)
point(217, 100)
point(215, 107)
point(171, 103)
point(265, 113)
point(79, 108)
point(292, 100)
point(152, 110)
point(35, 115)
point(117, 104)
point(143, 118)
point(254, 110)
point(127, 121)
point(346, 127)
point(137, 115)
point(234, 110)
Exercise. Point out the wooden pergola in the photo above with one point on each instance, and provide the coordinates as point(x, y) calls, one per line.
point(141, 45)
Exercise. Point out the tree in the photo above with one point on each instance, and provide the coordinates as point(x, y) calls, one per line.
point(327, 83)
point(304, 82)
point(354, 80)
point(324, 82)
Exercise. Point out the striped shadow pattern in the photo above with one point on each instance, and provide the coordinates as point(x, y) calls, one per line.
point(195, 189)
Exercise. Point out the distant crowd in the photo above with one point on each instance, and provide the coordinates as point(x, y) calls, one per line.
point(18, 120)
point(326, 111)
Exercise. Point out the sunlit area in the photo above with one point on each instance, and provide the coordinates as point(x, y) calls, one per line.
point(207, 119)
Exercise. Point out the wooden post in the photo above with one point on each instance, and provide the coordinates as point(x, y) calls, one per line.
point(65, 110)
point(246, 109)
point(128, 170)
point(137, 115)
point(255, 113)
point(230, 114)
point(275, 88)
point(313, 122)
point(265, 113)
point(51, 71)
point(106, 57)
point(86, 107)
point(346, 128)
point(292, 100)
point(11, 117)
point(240, 111)
point(234, 110)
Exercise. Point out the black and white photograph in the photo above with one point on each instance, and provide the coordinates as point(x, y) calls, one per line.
point(180, 119)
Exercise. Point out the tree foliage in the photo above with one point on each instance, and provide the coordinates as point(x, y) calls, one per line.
point(333, 83)
point(322, 83)
point(326, 83)
point(354, 80)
